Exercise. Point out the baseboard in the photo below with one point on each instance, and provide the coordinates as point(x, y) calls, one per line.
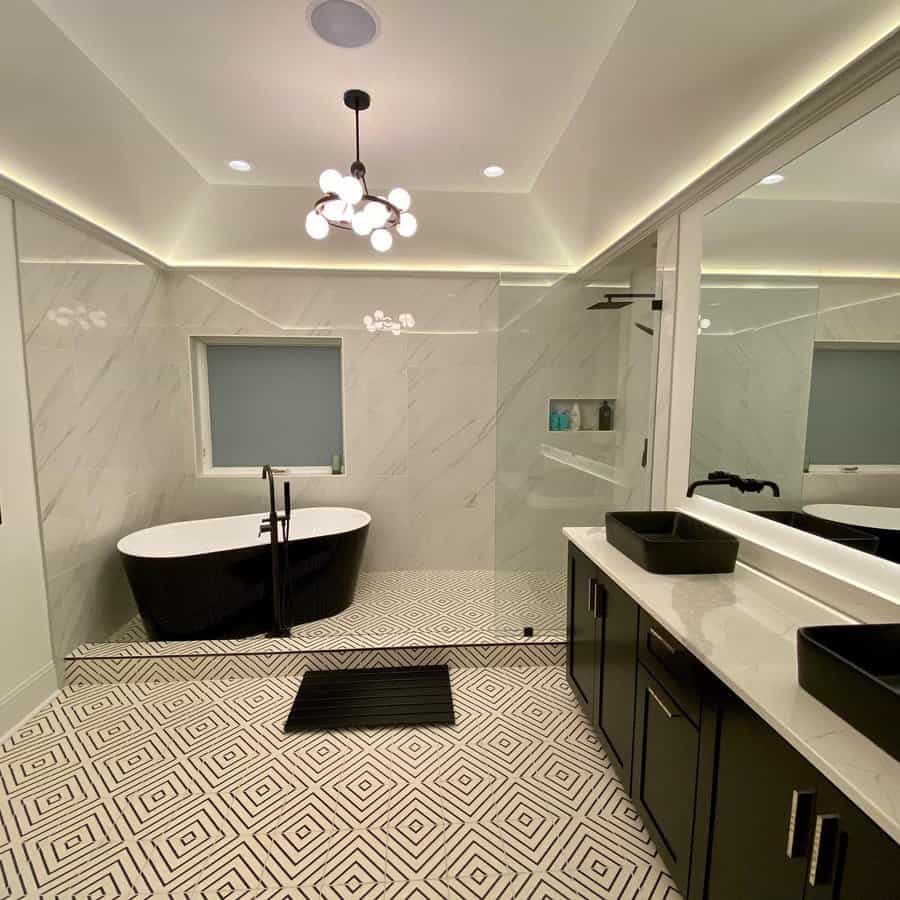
point(19, 703)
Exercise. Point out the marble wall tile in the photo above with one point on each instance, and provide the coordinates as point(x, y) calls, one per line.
point(550, 345)
point(753, 381)
point(112, 410)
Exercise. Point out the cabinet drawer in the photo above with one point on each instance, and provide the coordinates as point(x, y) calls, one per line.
point(670, 664)
point(667, 747)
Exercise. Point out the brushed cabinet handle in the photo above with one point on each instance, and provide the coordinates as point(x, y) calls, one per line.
point(591, 596)
point(661, 705)
point(824, 850)
point(802, 803)
point(655, 634)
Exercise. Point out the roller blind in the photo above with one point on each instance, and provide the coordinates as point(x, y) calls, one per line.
point(854, 415)
point(275, 403)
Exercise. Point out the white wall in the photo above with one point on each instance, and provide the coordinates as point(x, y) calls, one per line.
point(27, 675)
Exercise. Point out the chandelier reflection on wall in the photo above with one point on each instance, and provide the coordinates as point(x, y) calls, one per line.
point(346, 202)
point(383, 322)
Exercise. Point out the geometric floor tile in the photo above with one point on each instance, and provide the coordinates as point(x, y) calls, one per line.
point(435, 607)
point(191, 789)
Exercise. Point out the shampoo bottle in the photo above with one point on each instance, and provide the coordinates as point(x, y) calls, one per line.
point(575, 418)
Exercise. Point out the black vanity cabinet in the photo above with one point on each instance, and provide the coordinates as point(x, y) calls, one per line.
point(781, 830)
point(602, 652)
point(763, 813)
point(581, 651)
point(735, 811)
point(664, 779)
point(856, 859)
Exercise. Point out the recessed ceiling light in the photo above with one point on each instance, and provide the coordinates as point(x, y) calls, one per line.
point(772, 179)
point(494, 171)
point(240, 165)
point(343, 23)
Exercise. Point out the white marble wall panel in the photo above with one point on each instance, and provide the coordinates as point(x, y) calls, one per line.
point(419, 408)
point(102, 383)
point(112, 410)
point(550, 346)
point(753, 381)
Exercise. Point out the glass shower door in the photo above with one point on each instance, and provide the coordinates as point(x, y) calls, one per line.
point(576, 394)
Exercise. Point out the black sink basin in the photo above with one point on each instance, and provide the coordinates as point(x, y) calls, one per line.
point(833, 531)
point(855, 671)
point(671, 543)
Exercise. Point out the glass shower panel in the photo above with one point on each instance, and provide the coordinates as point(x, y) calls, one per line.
point(576, 391)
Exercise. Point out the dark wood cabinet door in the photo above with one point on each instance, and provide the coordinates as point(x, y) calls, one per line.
point(756, 777)
point(665, 773)
point(582, 626)
point(618, 618)
point(855, 859)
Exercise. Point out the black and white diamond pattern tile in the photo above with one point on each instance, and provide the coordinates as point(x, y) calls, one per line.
point(292, 664)
point(412, 608)
point(191, 789)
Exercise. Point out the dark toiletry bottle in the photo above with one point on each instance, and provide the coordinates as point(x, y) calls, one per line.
point(604, 417)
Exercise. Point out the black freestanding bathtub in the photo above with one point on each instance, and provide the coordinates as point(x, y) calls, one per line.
point(212, 578)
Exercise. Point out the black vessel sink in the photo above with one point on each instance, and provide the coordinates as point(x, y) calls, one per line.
point(833, 531)
point(671, 543)
point(855, 671)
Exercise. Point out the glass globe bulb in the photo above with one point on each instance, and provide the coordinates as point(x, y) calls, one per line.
point(408, 225)
point(381, 240)
point(333, 210)
point(362, 223)
point(377, 213)
point(368, 320)
point(316, 226)
point(330, 181)
point(400, 198)
point(350, 190)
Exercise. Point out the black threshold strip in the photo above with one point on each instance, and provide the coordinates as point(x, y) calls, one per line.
point(372, 698)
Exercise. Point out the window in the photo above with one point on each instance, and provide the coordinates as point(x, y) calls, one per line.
point(853, 415)
point(261, 401)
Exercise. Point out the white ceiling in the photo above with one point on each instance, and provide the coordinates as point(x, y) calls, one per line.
point(456, 86)
point(837, 212)
point(125, 111)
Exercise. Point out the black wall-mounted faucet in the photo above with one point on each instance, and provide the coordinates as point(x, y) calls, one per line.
point(729, 479)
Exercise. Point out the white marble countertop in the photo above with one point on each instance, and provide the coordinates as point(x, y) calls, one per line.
point(743, 627)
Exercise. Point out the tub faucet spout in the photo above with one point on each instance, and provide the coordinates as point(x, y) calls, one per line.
point(269, 525)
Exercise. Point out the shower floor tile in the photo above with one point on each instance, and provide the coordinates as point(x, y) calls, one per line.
point(420, 812)
point(405, 609)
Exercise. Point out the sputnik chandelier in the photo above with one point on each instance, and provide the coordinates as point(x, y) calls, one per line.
point(346, 202)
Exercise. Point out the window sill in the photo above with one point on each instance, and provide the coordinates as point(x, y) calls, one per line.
point(853, 470)
point(256, 472)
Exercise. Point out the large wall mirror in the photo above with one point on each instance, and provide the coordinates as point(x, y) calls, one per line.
point(798, 355)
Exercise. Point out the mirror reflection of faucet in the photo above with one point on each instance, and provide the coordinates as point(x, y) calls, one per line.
point(729, 479)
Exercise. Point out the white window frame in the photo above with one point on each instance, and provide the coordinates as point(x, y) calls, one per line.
point(203, 467)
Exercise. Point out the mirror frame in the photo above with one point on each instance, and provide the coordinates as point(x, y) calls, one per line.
point(866, 588)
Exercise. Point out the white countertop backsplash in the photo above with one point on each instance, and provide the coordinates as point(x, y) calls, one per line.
point(743, 627)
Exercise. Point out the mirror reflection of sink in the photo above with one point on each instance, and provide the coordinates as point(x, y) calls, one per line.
point(833, 531)
point(671, 543)
point(855, 671)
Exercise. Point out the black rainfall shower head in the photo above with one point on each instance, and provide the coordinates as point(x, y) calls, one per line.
point(617, 301)
point(609, 304)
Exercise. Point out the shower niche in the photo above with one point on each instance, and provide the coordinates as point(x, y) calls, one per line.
point(581, 414)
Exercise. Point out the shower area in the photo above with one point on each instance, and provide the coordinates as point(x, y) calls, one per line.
point(577, 360)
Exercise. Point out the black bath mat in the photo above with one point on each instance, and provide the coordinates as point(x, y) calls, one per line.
point(372, 698)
